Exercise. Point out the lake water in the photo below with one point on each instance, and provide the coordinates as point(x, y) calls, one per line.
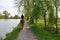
point(7, 26)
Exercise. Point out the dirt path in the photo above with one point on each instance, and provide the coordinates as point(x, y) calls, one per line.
point(26, 34)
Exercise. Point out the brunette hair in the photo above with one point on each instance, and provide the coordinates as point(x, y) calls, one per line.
point(22, 17)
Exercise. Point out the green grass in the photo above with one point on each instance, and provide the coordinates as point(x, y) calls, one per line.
point(41, 34)
point(13, 35)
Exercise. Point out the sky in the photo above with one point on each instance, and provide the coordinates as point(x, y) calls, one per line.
point(9, 6)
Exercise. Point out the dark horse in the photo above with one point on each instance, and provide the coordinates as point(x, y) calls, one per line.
point(22, 21)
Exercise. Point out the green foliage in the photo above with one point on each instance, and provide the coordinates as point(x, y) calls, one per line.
point(51, 16)
point(13, 35)
point(30, 9)
point(35, 12)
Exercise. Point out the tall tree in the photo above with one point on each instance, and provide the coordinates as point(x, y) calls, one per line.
point(6, 14)
point(44, 10)
point(56, 4)
point(50, 10)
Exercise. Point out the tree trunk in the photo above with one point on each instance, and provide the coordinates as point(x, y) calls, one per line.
point(56, 19)
point(31, 20)
point(44, 19)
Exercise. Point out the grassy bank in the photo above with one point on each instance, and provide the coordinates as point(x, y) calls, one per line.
point(13, 35)
point(42, 34)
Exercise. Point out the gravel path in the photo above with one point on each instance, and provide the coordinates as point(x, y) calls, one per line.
point(26, 34)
